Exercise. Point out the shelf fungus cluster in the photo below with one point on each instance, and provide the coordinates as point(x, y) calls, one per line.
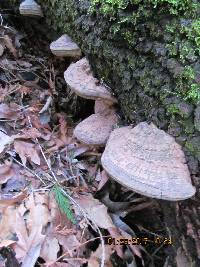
point(30, 8)
point(144, 159)
point(65, 47)
point(95, 129)
point(148, 161)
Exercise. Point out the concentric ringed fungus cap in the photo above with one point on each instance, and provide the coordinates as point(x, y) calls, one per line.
point(95, 130)
point(30, 8)
point(65, 47)
point(148, 161)
point(80, 79)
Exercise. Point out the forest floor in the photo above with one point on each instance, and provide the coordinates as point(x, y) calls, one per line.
point(58, 207)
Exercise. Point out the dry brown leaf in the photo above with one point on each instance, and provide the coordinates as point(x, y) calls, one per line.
point(96, 211)
point(31, 133)
point(95, 258)
point(5, 140)
point(7, 112)
point(31, 258)
point(62, 138)
point(103, 181)
point(57, 264)
point(28, 246)
point(39, 214)
point(6, 243)
point(69, 243)
point(135, 248)
point(30, 226)
point(27, 151)
point(12, 201)
point(115, 233)
point(24, 90)
point(7, 222)
point(9, 44)
point(7, 171)
point(50, 249)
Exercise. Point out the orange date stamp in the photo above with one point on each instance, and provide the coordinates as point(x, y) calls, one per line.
point(157, 240)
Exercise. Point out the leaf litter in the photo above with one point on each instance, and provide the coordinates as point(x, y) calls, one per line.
point(55, 207)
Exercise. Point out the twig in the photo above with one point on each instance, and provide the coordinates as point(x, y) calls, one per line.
point(47, 104)
point(77, 247)
point(94, 226)
point(28, 169)
point(49, 166)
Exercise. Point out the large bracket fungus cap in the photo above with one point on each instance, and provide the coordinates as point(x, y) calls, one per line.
point(65, 47)
point(80, 79)
point(95, 130)
point(30, 8)
point(148, 161)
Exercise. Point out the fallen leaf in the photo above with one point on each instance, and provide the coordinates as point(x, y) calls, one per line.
point(97, 212)
point(29, 245)
point(50, 249)
point(6, 243)
point(7, 171)
point(103, 181)
point(5, 140)
point(95, 258)
point(7, 112)
point(57, 264)
point(32, 255)
point(9, 44)
point(12, 201)
point(27, 151)
point(30, 133)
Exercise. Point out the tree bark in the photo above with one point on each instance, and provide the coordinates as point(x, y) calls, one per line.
point(139, 65)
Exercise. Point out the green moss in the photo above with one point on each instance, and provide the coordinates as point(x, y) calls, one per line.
point(186, 87)
point(184, 43)
point(188, 126)
point(192, 145)
point(173, 109)
point(111, 7)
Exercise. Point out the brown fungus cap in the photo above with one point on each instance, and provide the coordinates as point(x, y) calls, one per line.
point(30, 8)
point(96, 129)
point(80, 79)
point(65, 47)
point(148, 161)
point(104, 107)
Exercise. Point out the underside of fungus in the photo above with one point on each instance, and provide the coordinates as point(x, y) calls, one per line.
point(65, 47)
point(148, 161)
point(80, 79)
point(30, 8)
point(96, 129)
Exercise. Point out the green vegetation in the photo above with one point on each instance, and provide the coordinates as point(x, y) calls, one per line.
point(183, 28)
point(175, 7)
point(63, 203)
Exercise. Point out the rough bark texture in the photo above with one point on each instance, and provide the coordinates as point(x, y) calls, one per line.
point(148, 69)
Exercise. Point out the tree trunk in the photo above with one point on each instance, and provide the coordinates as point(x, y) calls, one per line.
point(146, 55)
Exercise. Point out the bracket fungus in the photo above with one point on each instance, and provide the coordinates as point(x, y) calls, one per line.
point(95, 130)
point(104, 107)
point(148, 161)
point(30, 8)
point(80, 79)
point(65, 47)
